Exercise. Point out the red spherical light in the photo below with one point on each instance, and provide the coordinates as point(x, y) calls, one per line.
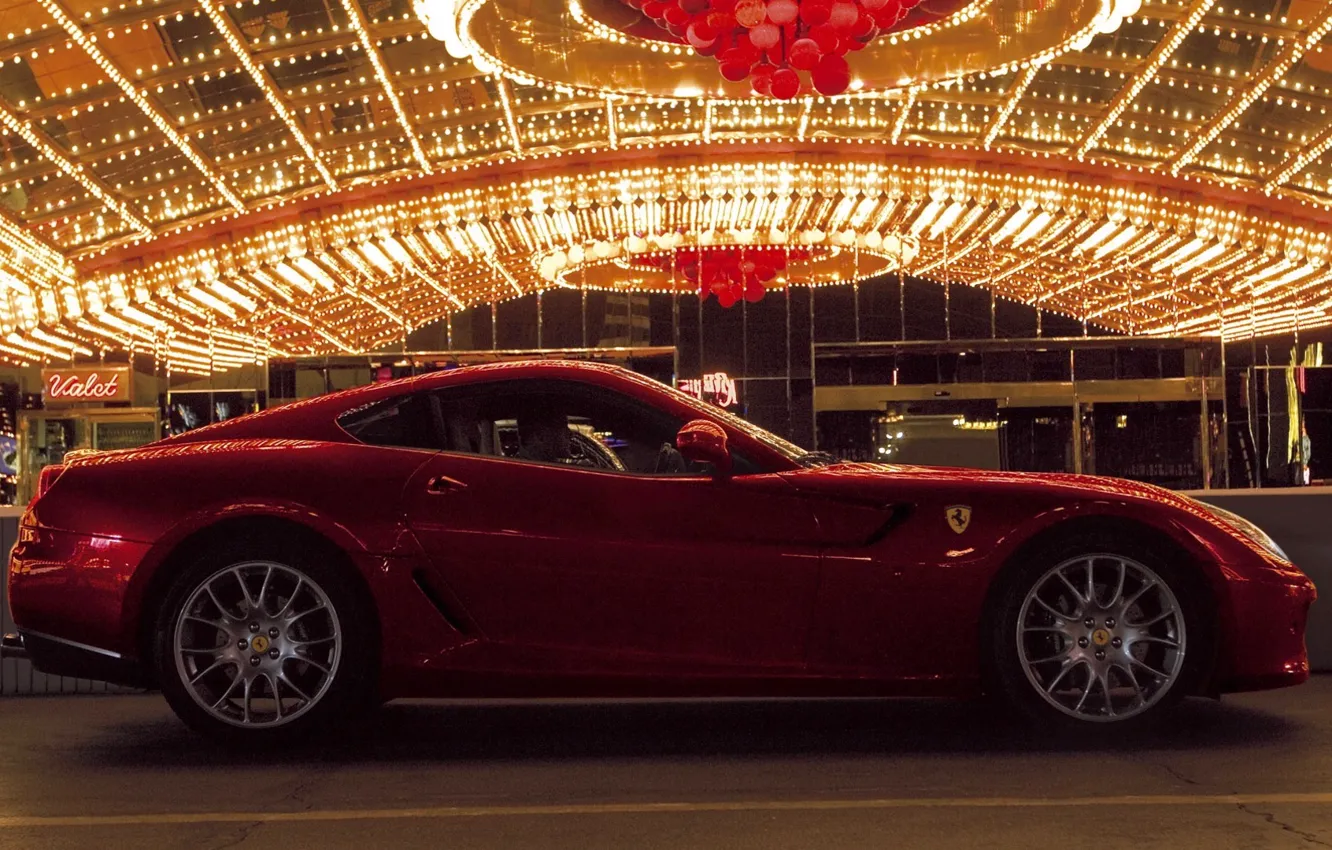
point(785, 84)
point(771, 42)
point(826, 38)
point(765, 36)
point(700, 35)
point(750, 13)
point(815, 12)
point(831, 76)
point(783, 12)
point(735, 64)
point(761, 81)
point(804, 54)
point(843, 16)
point(676, 17)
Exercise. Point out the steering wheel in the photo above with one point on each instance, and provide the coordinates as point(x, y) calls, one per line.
point(586, 451)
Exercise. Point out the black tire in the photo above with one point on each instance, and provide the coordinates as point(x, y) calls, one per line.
point(1006, 673)
point(351, 691)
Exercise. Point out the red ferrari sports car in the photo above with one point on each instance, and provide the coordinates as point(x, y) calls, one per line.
point(561, 529)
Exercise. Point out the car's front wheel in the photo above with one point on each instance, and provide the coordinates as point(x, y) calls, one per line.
point(265, 644)
point(1098, 634)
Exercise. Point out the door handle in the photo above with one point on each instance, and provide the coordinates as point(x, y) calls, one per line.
point(442, 484)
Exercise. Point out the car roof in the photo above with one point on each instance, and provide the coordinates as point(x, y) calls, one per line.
point(316, 418)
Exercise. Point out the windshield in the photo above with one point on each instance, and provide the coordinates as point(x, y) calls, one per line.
point(786, 449)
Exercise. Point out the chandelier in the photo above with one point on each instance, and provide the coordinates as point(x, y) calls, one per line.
point(785, 48)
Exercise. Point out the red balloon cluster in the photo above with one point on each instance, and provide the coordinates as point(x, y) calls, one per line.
point(775, 43)
point(730, 273)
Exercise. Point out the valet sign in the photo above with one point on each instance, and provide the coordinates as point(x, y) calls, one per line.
point(90, 384)
point(716, 387)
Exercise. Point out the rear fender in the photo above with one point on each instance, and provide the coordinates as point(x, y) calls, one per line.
point(340, 535)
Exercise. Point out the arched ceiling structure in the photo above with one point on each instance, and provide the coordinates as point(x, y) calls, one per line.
point(225, 182)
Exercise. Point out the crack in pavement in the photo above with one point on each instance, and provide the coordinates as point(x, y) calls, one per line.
point(1174, 773)
point(297, 794)
point(242, 834)
point(1310, 837)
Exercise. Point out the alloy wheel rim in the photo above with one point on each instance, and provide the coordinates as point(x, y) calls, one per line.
point(257, 644)
point(1101, 638)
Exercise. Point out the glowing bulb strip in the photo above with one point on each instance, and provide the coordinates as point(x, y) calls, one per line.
point(1156, 60)
point(224, 25)
point(25, 246)
point(355, 292)
point(491, 229)
point(1271, 73)
point(806, 107)
point(1201, 258)
point(1180, 254)
point(1020, 85)
point(434, 284)
point(16, 356)
point(381, 73)
point(1033, 228)
point(499, 269)
point(89, 45)
point(903, 113)
point(502, 86)
point(317, 328)
point(80, 174)
point(42, 350)
point(1297, 161)
point(62, 342)
point(1121, 239)
point(612, 132)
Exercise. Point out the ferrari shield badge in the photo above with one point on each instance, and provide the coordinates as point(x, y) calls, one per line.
point(959, 517)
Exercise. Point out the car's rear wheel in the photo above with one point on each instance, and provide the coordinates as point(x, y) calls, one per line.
point(265, 644)
point(1100, 634)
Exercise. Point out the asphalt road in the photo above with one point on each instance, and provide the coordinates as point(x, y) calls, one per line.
point(1252, 772)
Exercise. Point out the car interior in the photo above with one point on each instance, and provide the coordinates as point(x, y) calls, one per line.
point(535, 421)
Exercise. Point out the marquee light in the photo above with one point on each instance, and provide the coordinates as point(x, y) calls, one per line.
point(371, 51)
point(137, 97)
point(224, 25)
point(1044, 230)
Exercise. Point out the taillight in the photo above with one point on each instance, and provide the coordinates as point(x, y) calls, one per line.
point(47, 478)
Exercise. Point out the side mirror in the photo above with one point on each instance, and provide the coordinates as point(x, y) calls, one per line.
point(705, 442)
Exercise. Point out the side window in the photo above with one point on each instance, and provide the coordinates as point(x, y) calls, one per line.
point(403, 422)
point(569, 423)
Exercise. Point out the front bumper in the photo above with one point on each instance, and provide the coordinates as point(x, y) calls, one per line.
point(1264, 647)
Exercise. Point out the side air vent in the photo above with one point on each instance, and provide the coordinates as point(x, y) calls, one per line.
point(897, 517)
point(425, 583)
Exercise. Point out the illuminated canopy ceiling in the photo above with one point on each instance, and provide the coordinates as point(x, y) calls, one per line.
point(282, 177)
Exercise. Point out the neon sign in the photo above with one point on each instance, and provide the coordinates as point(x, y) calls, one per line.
point(100, 384)
point(716, 387)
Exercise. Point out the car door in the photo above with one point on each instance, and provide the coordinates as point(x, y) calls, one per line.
point(609, 567)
